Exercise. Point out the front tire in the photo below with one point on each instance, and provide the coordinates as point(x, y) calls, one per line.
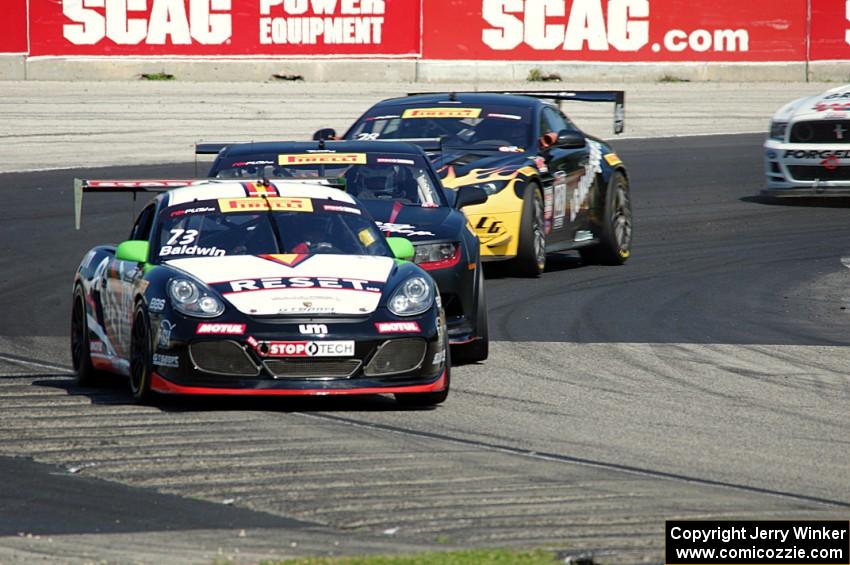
point(84, 370)
point(531, 251)
point(615, 237)
point(141, 356)
point(425, 399)
point(479, 349)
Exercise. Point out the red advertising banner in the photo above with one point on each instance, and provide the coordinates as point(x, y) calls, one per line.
point(13, 27)
point(225, 27)
point(830, 30)
point(615, 30)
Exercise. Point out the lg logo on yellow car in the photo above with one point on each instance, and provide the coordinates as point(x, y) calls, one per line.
point(488, 226)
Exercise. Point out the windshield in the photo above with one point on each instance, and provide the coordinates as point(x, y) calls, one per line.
point(257, 226)
point(503, 128)
point(403, 178)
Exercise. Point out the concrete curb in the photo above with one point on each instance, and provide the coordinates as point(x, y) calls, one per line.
point(20, 67)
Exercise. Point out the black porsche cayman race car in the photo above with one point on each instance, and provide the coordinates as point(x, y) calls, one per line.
point(551, 186)
point(396, 183)
point(258, 288)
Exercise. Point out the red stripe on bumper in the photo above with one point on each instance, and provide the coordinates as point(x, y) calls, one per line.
point(161, 385)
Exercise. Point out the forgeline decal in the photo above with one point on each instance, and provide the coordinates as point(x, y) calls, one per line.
point(322, 159)
point(215, 328)
point(283, 283)
point(306, 348)
point(814, 154)
point(167, 250)
point(397, 327)
point(275, 204)
point(593, 167)
point(441, 113)
point(404, 229)
point(166, 360)
point(613, 159)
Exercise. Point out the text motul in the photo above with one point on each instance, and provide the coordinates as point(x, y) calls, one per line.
point(153, 22)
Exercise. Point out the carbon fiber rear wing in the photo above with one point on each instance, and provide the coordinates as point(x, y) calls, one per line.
point(618, 97)
point(82, 186)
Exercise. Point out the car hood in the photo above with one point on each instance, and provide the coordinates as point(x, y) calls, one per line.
point(415, 223)
point(303, 285)
point(832, 104)
point(459, 168)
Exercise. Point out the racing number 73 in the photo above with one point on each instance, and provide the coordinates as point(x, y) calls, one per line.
point(189, 237)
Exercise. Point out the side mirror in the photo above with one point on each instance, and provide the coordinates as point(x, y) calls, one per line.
point(133, 251)
point(470, 195)
point(324, 134)
point(570, 139)
point(401, 248)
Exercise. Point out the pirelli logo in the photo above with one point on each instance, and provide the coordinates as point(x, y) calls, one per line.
point(322, 159)
point(441, 113)
point(260, 204)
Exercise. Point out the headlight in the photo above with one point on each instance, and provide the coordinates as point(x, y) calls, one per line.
point(412, 297)
point(188, 298)
point(436, 255)
point(777, 130)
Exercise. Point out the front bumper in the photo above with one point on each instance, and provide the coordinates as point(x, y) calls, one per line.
point(274, 357)
point(806, 170)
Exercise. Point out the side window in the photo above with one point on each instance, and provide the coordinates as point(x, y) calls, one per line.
point(554, 121)
point(142, 228)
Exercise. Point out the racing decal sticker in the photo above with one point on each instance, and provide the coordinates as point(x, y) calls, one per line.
point(156, 305)
point(813, 154)
point(322, 159)
point(388, 117)
point(560, 200)
point(275, 204)
point(366, 237)
point(287, 259)
point(213, 328)
point(505, 116)
point(404, 229)
point(166, 360)
point(511, 149)
point(165, 328)
point(441, 113)
point(392, 161)
point(548, 206)
point(168, 250)
point(613, 159)
point(345, 209)
point(283, 283)
point(306, 348)
point(189, 211)
point(259, 189)
point(593, 167)
point(313, 329)
point(540, 162)
point(439, 357)
point(476, 176)
point(397, 327)
point(96, 347)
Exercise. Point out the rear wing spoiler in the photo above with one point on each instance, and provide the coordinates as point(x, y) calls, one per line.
point(618, 97)
point(81, 186)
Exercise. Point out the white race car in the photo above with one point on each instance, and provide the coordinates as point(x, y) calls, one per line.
point(808, 150)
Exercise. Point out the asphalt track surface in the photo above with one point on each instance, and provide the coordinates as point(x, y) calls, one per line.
point(707, 378)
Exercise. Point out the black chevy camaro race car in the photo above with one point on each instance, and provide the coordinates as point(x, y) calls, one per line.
point(396, 183)
point(551, 186)
point(257, 288)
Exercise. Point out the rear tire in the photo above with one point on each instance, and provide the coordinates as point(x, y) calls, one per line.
point(479, 349)
point(615, 237)
point(84, 370)
point(531, 251)
point(141, 356)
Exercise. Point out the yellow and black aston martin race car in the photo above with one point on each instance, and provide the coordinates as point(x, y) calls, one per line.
point(551, 187)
